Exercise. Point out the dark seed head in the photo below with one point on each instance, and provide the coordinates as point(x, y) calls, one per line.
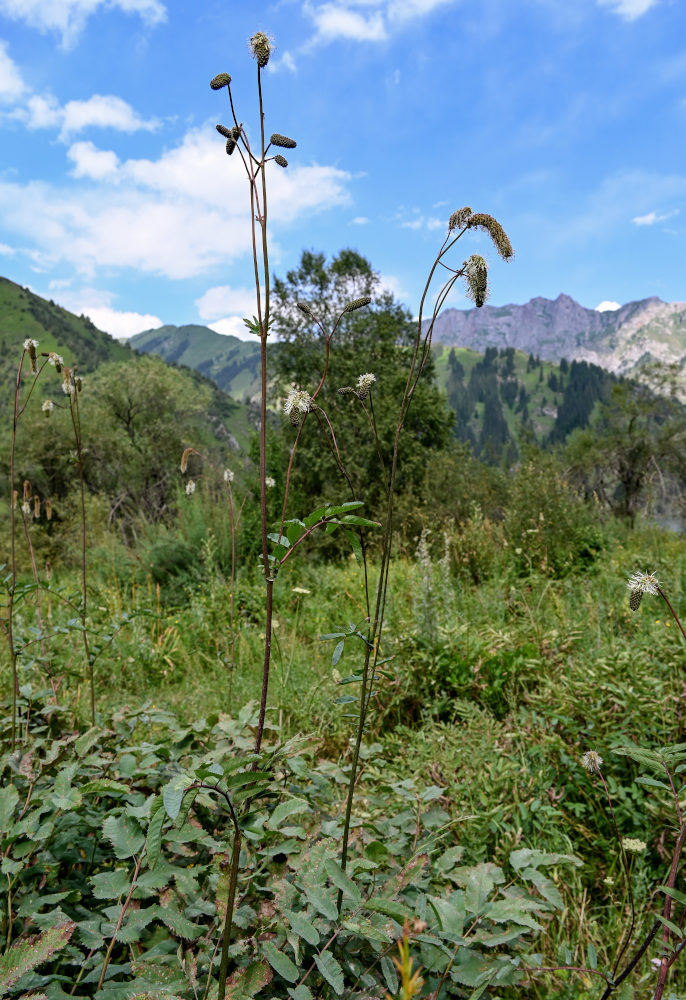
point(220, 80)
point(223, 130)
point(358, 304)
point(230, 146)
point(281, 160)
point(283, 141)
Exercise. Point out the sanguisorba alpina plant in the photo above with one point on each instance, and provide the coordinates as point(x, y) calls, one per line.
point(257, 158)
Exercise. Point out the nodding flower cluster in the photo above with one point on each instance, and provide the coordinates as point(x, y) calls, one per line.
point(640, 584)
point(296, 405)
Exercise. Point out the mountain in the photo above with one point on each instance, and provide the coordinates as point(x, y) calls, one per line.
point(233, 364)
point(24, 314)
point(618, 340)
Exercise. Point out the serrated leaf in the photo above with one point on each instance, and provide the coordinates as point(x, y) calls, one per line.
point(341, 880)
point(173, 793)
point(104, 786)
point(291, 807)
point(153, 840)
point(302, 927)
point(389, 907)
point(111, 885)
point(248, 981)
point(322, 900)
point(300, 992)
point(331, 970)
point(177, 923)
point(124, 834)
point(9, 796)
point(390, 975)
point(32, 952)
point(280, 962)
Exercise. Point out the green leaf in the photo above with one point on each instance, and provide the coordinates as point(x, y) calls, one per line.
point(250, 980)
point(338, 652)
point(153, 840)
point(9, 796)
point(651, 782)
point(302, 927)
point(104, 786)
point(177, 923)
point(674, 928)
point(111, 885)
point(280, 962)
point(355, 545)
point(322, 901)
point(290, 807)
point(300, 993)
point(389, 907)
point(526, 858)
point(390, 975)
point(87, 740)
point(674, 893)
point(331, 970)
point(125, 835)
point(32, 952)
point(173, 793)
point(341, 880)
point(591, 956)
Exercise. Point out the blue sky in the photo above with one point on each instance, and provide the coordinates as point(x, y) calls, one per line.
point(566, 119)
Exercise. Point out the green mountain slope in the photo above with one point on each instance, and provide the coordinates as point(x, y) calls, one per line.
point(24, 314)
point(232, 363)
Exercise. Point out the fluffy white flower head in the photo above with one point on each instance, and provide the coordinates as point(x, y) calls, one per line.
point(269, 482)
point(190, 488)
point(296, 405)
point(228, 476)
point(364, 384)
point(47, 406)
point(29, 343)
point(55, 359)
point(633, 845)
point(643, 583)
point(592, 761)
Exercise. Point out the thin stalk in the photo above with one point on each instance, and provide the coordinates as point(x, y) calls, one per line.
point(667, 961)
point(674, 614)
point(122, 912)
point(76, 423)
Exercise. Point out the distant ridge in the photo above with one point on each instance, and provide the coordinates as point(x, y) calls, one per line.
point(231, 363)
point(618, 340)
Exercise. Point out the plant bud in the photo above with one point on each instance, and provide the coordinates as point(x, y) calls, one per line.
point(223, 130)
point(358, 304)
point(230, 146)
point(281, 160)
point(220, 80)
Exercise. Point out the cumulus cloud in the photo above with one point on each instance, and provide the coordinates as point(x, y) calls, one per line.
point(92, 162)
point(99, 111)
point(68, 17)
point(97, 304)
point(650, 218)
point(629, 9)
point(223, 299)
point(607, 306)
point(11, 84)
point(373, 23)
point(359, 220)
point(233, 326)
point(178, 215)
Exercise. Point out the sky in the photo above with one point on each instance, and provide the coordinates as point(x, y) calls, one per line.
point(565, 119)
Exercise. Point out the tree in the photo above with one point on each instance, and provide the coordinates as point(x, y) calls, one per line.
point(373, 340)
point(637, 439)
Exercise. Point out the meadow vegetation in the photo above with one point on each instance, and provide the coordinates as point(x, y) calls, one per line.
point(363, 708)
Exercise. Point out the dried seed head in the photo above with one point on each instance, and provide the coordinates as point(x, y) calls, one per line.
point(219, 81)
point(592, 761)
point(36, 507)
point(260, 46)
point(48, 510)
point(304, 308)
point(47, 407)
point(345, 390)
point(223, 130)
point(184, 458)
point(78, 381)
point(15, 498)
point(358, 304)
point(230, 146)
point(635, 598)
point(500, 239)
point(476, 273)
point(459, 219)
point(281, 160)
point(283, 141)
point(235, 133)
point(27, 490)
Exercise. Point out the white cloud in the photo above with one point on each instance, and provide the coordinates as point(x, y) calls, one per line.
point(359, 220)
point(99, 111)
point(11, 84)
point(5, 250)
point(285, 62)
point(96, 303)
point(68, 17)
point(405, 10)
point(338, 21)
point(424, 222)
point(92, 162)
point(652, 217)
point(233, 326)
point(607, 306)
point(177, 216)
point(389, 283)
point(121, 325)
point(629, 9)
point(222, 299)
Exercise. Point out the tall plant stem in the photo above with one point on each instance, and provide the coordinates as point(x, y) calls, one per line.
point(76, 423)
point(666, 962)
point(13, 560)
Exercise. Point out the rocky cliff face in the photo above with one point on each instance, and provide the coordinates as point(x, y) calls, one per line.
point(617, 339)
